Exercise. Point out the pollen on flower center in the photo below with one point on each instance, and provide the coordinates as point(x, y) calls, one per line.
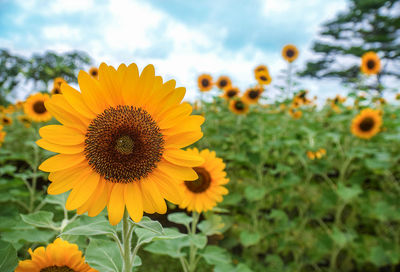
point(202, 183)
point(253, 94)
point(39, 107)
point(290, 53)
point(57, 269)
point(370, 64)
point(223, 83)
point(231, 93)
point(239, 105)
point(205, 82)
point(123, 144)
point(367, 124)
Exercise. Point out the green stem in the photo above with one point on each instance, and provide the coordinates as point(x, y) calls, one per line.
point(193, 248)
point(289, 79)
point(126, 242)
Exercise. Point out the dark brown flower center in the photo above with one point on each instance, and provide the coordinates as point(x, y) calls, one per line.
point(231, 93)
point(6, 121)
point(367, 124)
point(39, 108)
point(205, 82)
point(290, 53)
point(94, 73)
point(239, 105)
point(253, 94)
point(56, 90)
point(370, 64)
point(55, 268)
point(202, 183)
point(223, 83)
point(259, 69)
point(123, 144)
point(263, 78)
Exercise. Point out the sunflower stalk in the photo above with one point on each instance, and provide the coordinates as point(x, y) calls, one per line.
point(289, 79)
point(193, 249)
point(126, 242)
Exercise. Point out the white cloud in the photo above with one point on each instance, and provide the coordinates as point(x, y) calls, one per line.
point(60, 32)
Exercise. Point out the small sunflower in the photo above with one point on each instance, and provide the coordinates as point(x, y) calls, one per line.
point(9, 109)
point(19, 105)
point(58, 81)
point(231, 92)
point(56, 90)
point(35, 108)
point(5, 120)
point(204, 193)
point(205, 82)
point(58, 256)
point(223, 82)
point(310, 155)
point(2, 135)
point(261, 68)
point(366, 124)
point(252, 95)
point(94, 72)
point(238, 106)
point(290, 53)
point(25, 120)
point(296, 114)
point(120, 143)
point(263, 78)
point(370, 63)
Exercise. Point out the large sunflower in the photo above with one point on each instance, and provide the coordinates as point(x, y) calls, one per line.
point(120, 142)
point(58, 256)
point(34, 107)
point(238, 106)
point(231, 92)
point(202, 194)
point(366, 124)
point(205, 82)
point(290, 52)
point(370, 63)
point(252, 95)
point(94, 72)
point(223, 82)
point(263, 78)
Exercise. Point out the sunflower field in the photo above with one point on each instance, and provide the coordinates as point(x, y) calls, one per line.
point(112, 169)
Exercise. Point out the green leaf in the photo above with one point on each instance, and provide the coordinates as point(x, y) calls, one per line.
point(213, 225)
point(90, 226)
point(8, 257)
point(342, 238)
point(170, 248)
point(199, 240)
point(254, 193)
point(378, 256)
point(151, 225)
point(249, 238)
point(40, 219)
point(103, 255)
point(60, 199)
point(180, 218)
point(146, 236)
point(348, 193)
point(215, 255)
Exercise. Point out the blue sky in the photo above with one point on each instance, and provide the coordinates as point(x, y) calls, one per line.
point(181, 38)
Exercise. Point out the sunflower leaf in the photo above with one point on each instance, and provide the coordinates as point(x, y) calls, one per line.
point(40, 219)
point(103, 255)
point(215, 255)
point(154, 226)
point(180, 218)
point(90, 226)
point(8, 257)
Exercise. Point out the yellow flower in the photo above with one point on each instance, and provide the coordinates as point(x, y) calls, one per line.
point(5, 120)
point(10, 109)
point(318, 155)
point(204, 193)
point(322, 151)
point(263, 78)
point(205, 82)
point(296, 114)
point(260, 68)
point(57, 256)
point(35, 108)
point(2, 135)
point(370, 63)
point(120, 143)
point(25, 120)
point(252, 95)
point(58, 81)
point(56, 90)
point(94, 72)
point(238, 106)
point(366, 124)
point(231, 92)
point(290, 53)
point(310, 155)
point(223, 82)
point(398, 96)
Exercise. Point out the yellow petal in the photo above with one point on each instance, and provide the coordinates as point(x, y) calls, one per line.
point(192, 123)
point(64, 116)
point(134, 202)
point(108, 78)
point(168, 187)
point(61, 161)
point(129, 92)
point(81, 193)
point(92, 92)
point(145, 84)
point(176, 171)
point(92, 199)
point(64, 149)
point(175, 116)
point(182, 158)
point(182, 139)
point(116, 204)
point(58, 134)
point(150, 189)
point(75, 99)
point(98, 205)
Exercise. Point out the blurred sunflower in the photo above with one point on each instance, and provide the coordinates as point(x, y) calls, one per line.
point(5, 120)
point(296, 114)
point(19, 105)
point(261, 68)
point(58, 256)
point(34, 107)
point(25, 120)
point(204, 193)
point(310, 155)
point(290, 53)
point(58, 81)
point(370, 63)
point(398, 96)
point(9, 109)
point(252, 95)
point(120, 143)
point(223, 82)
point(366, 124)
point(238, 106)
point(231, 92)
point(2, 135)
point(56, 90)
point(263, 78)
point(94, 72)
point(205, 82)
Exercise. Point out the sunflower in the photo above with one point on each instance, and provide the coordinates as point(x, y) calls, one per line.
point(19, 105)
point(2, 135)
point(120, 143)
point(366, 124)
point(370, 63)
point(35, 108)
point(231, 92)
point(310, 155)
point(205, 82)
point(238, 106)
point(58, 81)
point(94, 72)
point(290, 53)
point(204, 193)
point(58, 256)
point(25, 120)
point(296, 114)
point(398, 96)
point(10, 109)
point(263, 78)
point(56, 90)
point(252, 95)
point(5, 120)
point(261, 68)
point(223, 82)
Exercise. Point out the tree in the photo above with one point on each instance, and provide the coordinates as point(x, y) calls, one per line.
point(367, 25)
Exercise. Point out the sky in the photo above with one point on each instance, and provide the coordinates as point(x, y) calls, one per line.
point(182, 38)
